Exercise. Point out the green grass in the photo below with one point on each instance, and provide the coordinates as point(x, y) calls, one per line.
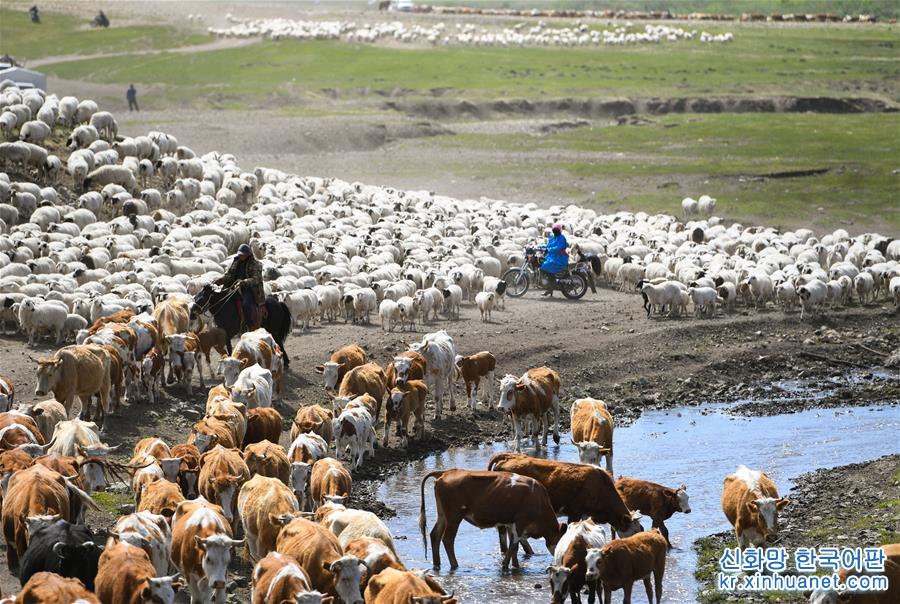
point(110, 502)
point(59, 34)
point(813, 60)
point(723, 155)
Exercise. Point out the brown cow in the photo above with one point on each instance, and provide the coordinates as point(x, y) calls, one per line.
point(278, 579)
point(222, 472)
point(531, 398)
point(267, 458)
point(188, 468)
point(316, 419)
point(154, 447)
point(375, 553)
point(263, 423)
point(50, 588)
point(212, 431)
point(592, 432)
point(402, 402)
point(365, 379)
point(81, 371)
point(126, 576)
point(472, 369)
point(160, 497)
point(173, 315)
point(486, 500)
point(621, 562)
point(654, 500)
point(233, 413)
point(751, 504)
point(121, 316)
point(212, 338)
point(7, 393)
point(10, 462)
point(576, 490)
point(329, 478)
point(340, 362)
point(318, 552)
point(261, 503)
point(408, 365)
point(391, 586)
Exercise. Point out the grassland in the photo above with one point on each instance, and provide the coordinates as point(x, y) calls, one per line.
point(60, 34)
point(812, 61)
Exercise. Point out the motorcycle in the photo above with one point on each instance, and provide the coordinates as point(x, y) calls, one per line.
point(571, 281)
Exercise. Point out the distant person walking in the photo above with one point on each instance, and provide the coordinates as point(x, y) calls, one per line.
point(131, 95)
point(35, 17)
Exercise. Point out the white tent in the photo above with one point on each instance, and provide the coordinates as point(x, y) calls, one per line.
point(20, 75)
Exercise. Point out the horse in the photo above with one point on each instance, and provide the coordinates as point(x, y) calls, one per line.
point(222, 305)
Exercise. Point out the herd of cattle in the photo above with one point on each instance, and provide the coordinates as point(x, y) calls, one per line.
point(462, 34)
point(91, 257)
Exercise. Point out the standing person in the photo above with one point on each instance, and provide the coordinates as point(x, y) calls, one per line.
point(35, 17)
point(557, 259)
point(246, 272)
point(131, 95)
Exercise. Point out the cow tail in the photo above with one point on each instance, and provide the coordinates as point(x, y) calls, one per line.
point(422, 519)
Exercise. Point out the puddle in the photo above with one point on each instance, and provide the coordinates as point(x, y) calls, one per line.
point(697, 446)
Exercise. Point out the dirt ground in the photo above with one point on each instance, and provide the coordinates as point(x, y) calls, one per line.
point(602, 346)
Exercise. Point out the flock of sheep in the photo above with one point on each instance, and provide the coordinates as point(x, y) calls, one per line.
point(110, 222)
point(466, 34)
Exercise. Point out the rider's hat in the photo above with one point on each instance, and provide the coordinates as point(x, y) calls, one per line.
point(244, 250)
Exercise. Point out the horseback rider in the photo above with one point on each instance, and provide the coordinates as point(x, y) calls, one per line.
point(245, 273)
point(557, 259)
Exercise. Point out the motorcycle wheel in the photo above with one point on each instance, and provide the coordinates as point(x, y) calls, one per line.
point(574, 286)
point(517, 282)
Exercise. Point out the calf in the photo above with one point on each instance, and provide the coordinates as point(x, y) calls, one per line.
point(201, 548)
point(278, 578)
point(263, 423)
point(340, 362)
point(485, 500)
point(266, 458)
point(50, 588)
point(152, 366)
point(128, 577)
point(654, 500)
point(329, 478)
point(318, 552)
point(222, 472)
point(313, 418)
point(184, 350)
point(621, 562)
point(751, 503)
point(472, 369)
point(253, 387)
point(188, 468)
point(406, 366)
point(69, 550)
point(392, 585)
point(592, 432)
point(365, 379)
point(403, 402)
point(531, 397)
point(261, 502)
point(568, 572)
point(354, 429)
point(212, 338)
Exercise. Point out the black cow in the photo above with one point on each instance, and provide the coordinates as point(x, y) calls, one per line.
point(63, 548)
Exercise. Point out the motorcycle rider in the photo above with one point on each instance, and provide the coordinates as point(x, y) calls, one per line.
point(557, 258)
point(246, 272)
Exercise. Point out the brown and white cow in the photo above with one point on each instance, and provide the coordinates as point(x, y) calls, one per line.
point(592, 432)
point(152, 368)
point(391, 586)
point(153, 446)
point(160, 497)
point(151, 532)
point(404, 401)
point(188, 468)
point(375, 553)
point(266, 458)
point(408, 365)
point(210, 432)
point(654, 500)
point(50, 588)
point(147, 471)
point(261, 502)
point(567, 573)
point(127, 576)
point(751, 503)
point(278, 578)
point(82, 371)
point(173, 316)
point(340, 362)
point(318, 552)
point(621, 562)
point(329, 478)
point(365, 379)
point(577, 490)
point(472, 369)
point(263, 423)
point(184, 355)
point(235, 414)
point(487, 500)
point(7, 393)
point(313, 418)
point(255, 348)
point(531, 397)
point(201, 548)
point(222, 472)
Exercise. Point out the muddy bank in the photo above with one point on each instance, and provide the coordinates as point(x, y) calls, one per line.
point(441, 109)
point(847, 506)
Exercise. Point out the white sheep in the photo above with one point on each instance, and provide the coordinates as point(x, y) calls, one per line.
point(485, 303)
point(864, 284)
point(390, 315)
point(812, 296)
point(34, 131)
point(705, 300)
point(105, 175)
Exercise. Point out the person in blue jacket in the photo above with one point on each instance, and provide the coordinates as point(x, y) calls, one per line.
point(557, 259)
